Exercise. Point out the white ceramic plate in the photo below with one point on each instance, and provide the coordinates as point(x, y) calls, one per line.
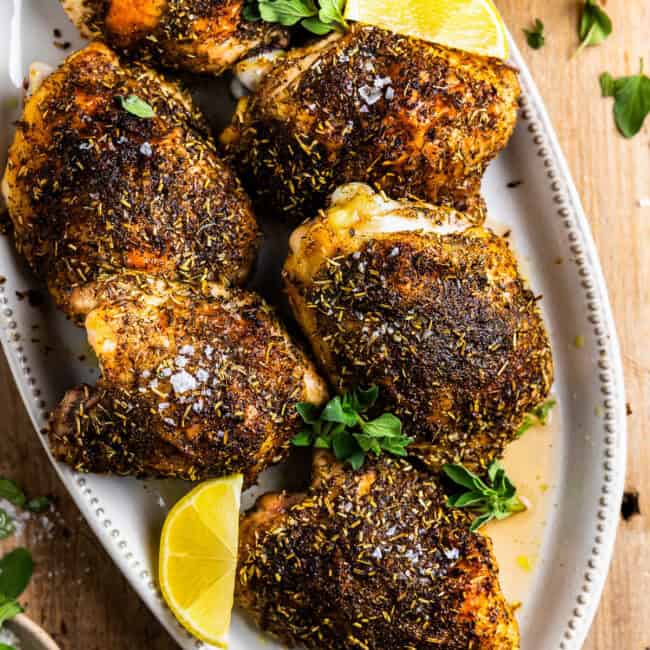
point(547, 225)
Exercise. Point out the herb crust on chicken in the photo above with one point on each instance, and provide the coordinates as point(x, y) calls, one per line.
point(194, 384)
point(371, 559)
point(433, 310)
point(92, 188)
point(409, 117)
point(204, 36)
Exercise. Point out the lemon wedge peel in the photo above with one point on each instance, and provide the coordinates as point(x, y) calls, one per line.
point(198, 558)
point(471, 25)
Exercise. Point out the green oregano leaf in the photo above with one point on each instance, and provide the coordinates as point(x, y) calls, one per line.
point(495, 499)
point(343, 427)
point(535, 37)
point(136, 106)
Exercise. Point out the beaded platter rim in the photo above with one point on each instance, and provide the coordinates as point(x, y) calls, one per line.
point(612, 438)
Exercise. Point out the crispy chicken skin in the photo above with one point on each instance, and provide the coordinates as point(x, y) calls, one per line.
point(196, 35)
point(410, 117)
point(430, 308)
point(193, 385)
point(92, 188)
point(371, 559)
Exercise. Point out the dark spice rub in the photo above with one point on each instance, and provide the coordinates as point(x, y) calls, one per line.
point(410, 117)
point(371, 560)
point(196, 35)
point(92, 188)
point(193, 384)
point(431, 309)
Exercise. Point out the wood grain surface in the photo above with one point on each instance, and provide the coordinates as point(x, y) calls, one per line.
point(79, 595)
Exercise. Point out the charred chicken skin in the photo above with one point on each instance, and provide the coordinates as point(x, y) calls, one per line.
point(92, 188)
point(193, 384)
point(430, 308)
point(371, 559)
point(409, 117)
point(205, 36)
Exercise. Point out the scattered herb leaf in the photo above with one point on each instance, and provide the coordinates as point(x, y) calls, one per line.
point(16, 570)
point(4, 646)
point(595, 25)
point(535, 37)
point(8, 609)
point(631, 100)
point(136, 106)
point(7, 527)
point(542, 411)
point(539, 415)
point(496, 499)
point(38, 504)
point(342, 427)
point(11, 491)
point(320, 17)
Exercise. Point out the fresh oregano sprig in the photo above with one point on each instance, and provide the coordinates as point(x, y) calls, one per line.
point(495, 499)
point(535, 37)
point(317, 16)
point(16, 570)
point(539, 415)
point(631, 100)
point(342, 427)
point(595, 25)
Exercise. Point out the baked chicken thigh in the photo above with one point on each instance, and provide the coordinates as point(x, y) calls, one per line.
point(371, 559)
point(92, 187)
point(193, 385)
point(430, 308)
point(195, 35)
point(410, 117)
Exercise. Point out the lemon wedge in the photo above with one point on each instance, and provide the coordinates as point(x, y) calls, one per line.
point(198, 558)
point(471, 25)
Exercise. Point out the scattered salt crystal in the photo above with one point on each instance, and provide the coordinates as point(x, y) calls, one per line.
point(377, 553)
point(182, 382)
point(370, 95)
point(153, 383)
point(163, 405)
point(394, 252)
point(197, 407)
point(187, 350)
point(208, 350)
point(170, 422)
point(146, 374)
point(202, 375)
point(181, 361)
point(166, 372)
point(390, 93)
point(452, 554)
point(7, 637)
point(145, 149)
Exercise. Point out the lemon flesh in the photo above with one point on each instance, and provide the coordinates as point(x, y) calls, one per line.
point(198, 558)
point(470, 25)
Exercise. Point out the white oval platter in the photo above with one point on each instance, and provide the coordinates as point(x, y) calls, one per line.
point(551, 237)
